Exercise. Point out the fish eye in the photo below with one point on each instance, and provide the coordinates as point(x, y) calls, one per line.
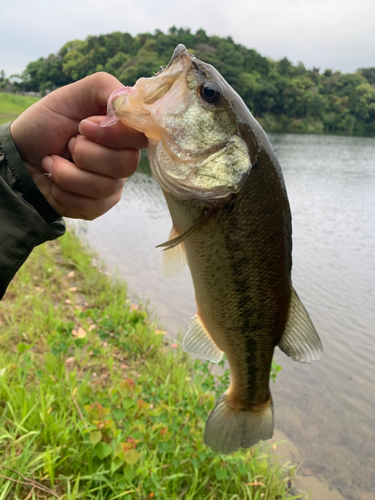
point(210, 92)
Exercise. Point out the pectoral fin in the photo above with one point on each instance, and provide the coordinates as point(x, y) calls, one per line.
point(174, 257)
point(179, 238)
point(300, 340)
point(197, 341)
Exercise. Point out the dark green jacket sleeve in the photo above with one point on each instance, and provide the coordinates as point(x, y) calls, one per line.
point(26, 218)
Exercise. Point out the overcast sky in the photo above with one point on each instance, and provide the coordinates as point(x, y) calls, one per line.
point(336, 34)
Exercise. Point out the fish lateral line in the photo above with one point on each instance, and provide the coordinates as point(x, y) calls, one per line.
point(179, 239)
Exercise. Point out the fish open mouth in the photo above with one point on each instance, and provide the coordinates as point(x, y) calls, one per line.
point(180, 55)
point(140, 106)
point(155, 88)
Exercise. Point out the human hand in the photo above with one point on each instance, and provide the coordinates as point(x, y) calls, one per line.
point(86, 165)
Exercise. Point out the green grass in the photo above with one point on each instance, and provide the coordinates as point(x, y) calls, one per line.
point(12, 105)
point(94, 402)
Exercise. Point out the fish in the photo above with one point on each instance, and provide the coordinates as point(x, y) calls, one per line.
point(231, 223)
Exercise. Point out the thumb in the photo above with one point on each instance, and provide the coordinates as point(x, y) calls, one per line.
point(83, 98)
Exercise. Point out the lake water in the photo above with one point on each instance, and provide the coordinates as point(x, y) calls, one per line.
point(327, 409)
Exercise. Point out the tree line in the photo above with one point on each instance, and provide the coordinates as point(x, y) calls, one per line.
point(283, 96)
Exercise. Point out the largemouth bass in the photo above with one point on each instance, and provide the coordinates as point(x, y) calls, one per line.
point(232, 225)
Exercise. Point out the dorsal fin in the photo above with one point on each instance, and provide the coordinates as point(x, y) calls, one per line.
point(197, 341)
point(300, 340)
point(174, 258)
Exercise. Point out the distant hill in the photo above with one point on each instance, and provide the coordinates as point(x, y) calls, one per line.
point(282, 96)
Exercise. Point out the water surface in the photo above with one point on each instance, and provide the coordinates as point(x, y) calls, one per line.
point(327, 408)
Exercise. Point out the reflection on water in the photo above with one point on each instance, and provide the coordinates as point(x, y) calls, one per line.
point(328, 408)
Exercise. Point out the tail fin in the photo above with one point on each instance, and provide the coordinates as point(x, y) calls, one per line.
point(228, 429)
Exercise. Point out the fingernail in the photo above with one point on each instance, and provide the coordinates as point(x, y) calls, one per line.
point(47, 163)
point(70, 143)
point(88, 128)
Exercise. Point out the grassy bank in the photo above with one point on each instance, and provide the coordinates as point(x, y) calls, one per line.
point(95, 404)
point(12, 105)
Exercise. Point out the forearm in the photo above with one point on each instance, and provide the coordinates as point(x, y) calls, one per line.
point(26, 218)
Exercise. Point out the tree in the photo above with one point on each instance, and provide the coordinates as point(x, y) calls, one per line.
point(78, 45)
point(116, 62)
point(201, 36)
point(229, 60)
point(254, 62)
point(71, 64)
point(284, 67)
point(369, 74)
point(361, 102)
point(259, 95)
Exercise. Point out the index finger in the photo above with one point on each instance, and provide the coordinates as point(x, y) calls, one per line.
point(117, 136)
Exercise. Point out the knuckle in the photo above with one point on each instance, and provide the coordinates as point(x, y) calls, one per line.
point(117, 197)
point(131, 161)
point(107, 188)
point(77, 151)
point(57, 194)
point(90, 216)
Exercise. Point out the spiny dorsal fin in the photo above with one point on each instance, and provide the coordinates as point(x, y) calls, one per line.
point(300, 340)
point(174, 258)
point(197, 341)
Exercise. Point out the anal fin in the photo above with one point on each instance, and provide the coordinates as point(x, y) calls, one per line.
point(174, 258)
point(300, 340)
point(198, 342)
